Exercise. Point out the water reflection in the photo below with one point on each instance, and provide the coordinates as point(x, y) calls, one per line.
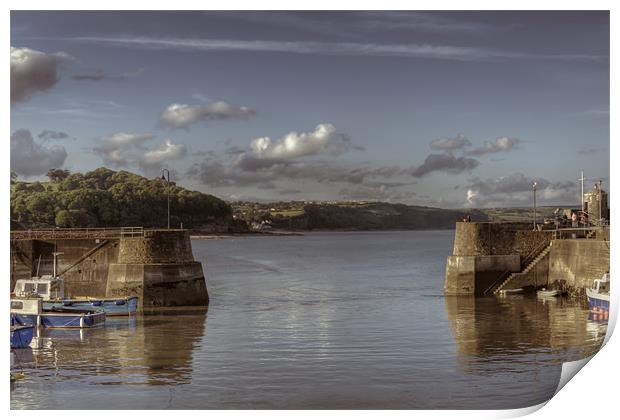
point(155, 349)
point(488, 330)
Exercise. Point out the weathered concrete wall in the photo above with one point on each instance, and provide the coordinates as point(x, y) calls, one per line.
point(473, 274)
point(160, 284)
point(21, 260)
point(577, 262)
point(87, 277)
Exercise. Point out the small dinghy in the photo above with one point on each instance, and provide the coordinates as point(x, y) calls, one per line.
point(544, 293)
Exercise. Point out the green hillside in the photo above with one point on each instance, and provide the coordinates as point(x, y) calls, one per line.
point(107, 198)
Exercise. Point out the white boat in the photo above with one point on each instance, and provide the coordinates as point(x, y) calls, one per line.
point(598, 294)
point(544, 293)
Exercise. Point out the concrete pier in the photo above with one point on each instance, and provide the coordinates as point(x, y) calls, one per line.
point(484, 252)
point(156, 265)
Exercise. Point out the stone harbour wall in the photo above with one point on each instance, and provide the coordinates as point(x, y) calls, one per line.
point(158, 266)
point(497, 238)
point(484, 251)
point(162, 246)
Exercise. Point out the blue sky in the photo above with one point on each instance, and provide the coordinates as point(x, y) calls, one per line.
point(447, 109)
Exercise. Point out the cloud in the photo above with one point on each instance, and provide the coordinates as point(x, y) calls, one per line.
point(129, 149)
point(450, 143)
point(182, 116)
point(324, 139)
point(516, 190)
point(501, 144)
point(32, 72)
point(29, 158)
point(215, 173)
point(265, 160)
point(442, 52)
point(116, 149)
point(299, 157)
point(100, 75)
point(444, 163)
point(52, 135)
point(154, 159)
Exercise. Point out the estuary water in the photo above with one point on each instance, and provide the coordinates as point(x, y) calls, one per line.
point(320, 321)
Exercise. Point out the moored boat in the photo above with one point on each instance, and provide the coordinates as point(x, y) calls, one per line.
point(51, 290)
point(544, 293)
point(111, 306)
point(29, 311)
point(598, 294)
point(21, 336)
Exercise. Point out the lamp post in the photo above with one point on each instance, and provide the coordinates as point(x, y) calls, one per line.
point(534, 188)
point(165, 172)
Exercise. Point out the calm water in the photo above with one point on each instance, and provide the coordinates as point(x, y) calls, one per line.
point(345, 320)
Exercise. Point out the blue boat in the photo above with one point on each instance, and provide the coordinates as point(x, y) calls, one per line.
point(30, 312)
point(598, 295)
point(51, 290)
point(21, 336)
point(111, 306)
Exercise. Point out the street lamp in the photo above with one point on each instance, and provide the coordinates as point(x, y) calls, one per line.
point(165, 172)
point(534, 188)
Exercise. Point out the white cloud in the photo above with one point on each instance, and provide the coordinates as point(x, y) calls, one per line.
point(29, 158)
point(444, 52)
point(450, 143)
point(33, 71)
point(324, 138)
point(501, 144)
point(516, 190)
point(182, 116)
point(154, 159)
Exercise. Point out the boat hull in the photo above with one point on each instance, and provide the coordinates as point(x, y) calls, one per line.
point(21, 336)
point(60, 320)
point(111, 306)
point(547, 293)
point(597, 301)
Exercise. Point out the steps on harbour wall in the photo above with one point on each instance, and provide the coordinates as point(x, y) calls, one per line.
point(508, 283)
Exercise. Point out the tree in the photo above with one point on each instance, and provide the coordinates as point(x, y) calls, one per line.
point(106, 198)
point(57, 175)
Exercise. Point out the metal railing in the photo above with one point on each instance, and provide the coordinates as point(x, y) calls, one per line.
point(77, 233)
point(567, 233)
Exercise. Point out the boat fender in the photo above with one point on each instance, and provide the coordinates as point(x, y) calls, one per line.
point(96, 303)
point(67, 303)
point(120, 302)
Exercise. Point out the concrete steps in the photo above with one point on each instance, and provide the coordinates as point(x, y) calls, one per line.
point(526, 270)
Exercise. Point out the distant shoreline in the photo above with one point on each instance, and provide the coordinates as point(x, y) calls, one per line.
point(215, 236)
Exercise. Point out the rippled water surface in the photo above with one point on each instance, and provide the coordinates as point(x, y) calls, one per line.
point(339, 320)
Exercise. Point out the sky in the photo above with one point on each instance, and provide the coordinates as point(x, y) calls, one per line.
point(446, 109)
